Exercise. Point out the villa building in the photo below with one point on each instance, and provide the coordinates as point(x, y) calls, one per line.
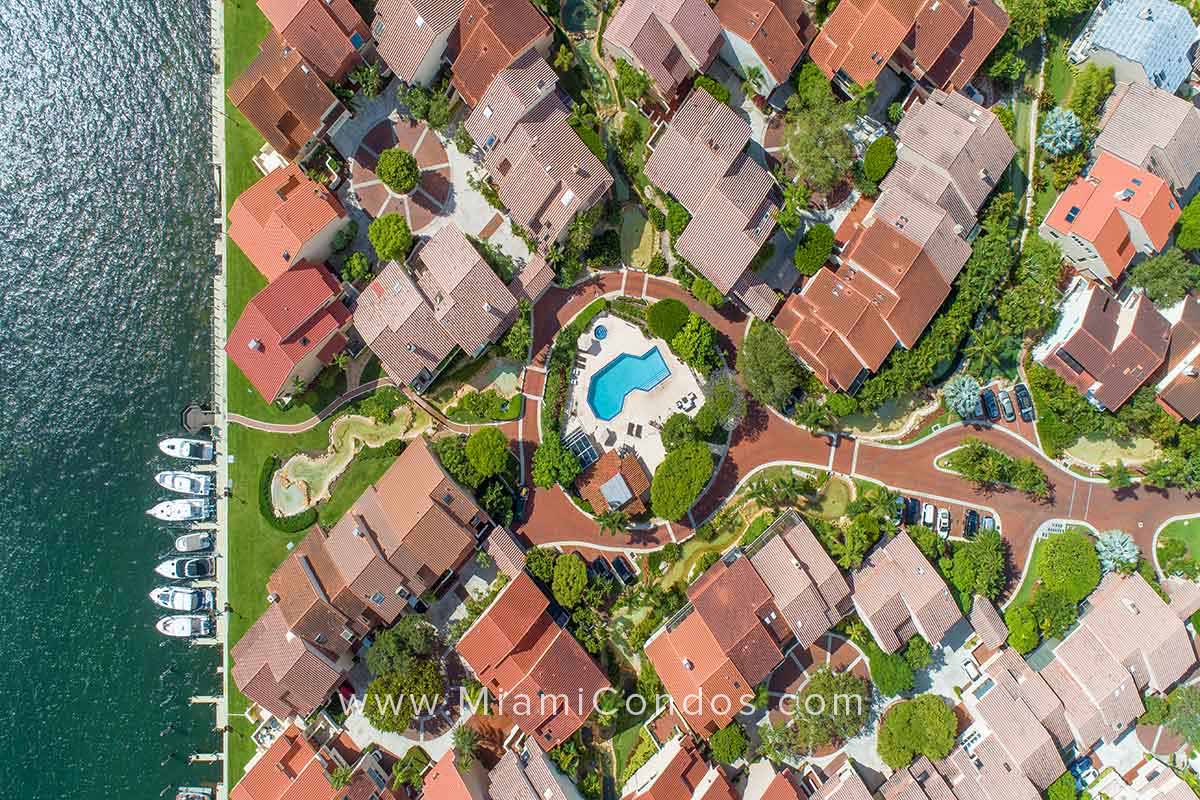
point(542, 678)
point(898, 595)
point(296, 767)
point(445, 780)
point(700, 160)
point(1179, 387)
point(328, 34)
point(669, 39)
point(290, 331)
point(1155, 131)
point(1152, 780)
point(285, 219)
point(411, 36)
point(527, 774)
point(285, 99)
point(940, 43)
point(844, 784)
point(768, 35)
point(1012, 674)
point(616, 482)
point(987, 623)
point(734, 631)
point(1152, 42)
point(1110, 215)
point(491, 35)
point(445, 299)
point(543, 172)
point(678, 769)
point(1104, 347)
point(1003, 722)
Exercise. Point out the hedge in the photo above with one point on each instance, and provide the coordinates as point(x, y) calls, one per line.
point(714, 88)
point(879, 158)
point(293, 524)
point(558, 365)
point(666, 318)
point(814, 250)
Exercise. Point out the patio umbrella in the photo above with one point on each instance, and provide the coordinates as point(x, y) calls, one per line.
point(585, 342)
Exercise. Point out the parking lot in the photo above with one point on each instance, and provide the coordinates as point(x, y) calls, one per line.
point(958, 513)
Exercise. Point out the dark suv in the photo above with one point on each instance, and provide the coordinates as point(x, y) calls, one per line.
point(1024, 402)
point(990, 406)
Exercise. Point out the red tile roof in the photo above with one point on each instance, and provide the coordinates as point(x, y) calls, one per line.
point(444, 781)
point(681, 774)
point(1181, 394)
point(987, 623)
point(274, 220)
point(320, 31)
point(523, 657)
point(667, 38)
point(294, 317)
point(492, 33)
point(609, 466)
point(778, 30)
point(283, 97)
point(860, 36)
point(290, 767)
point(406, 31)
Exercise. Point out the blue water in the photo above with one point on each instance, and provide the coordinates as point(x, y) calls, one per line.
point(624, 374)
point(601, 332)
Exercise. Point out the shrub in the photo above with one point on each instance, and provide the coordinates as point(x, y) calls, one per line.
point(678, 218)
point(1054, 611)
point(344, 237)
point(1063, 788)
point(293, 524)
point(679, 430)
point(679, 479)
point(769, 370)
point(570, 579)
point(1117, 551)
point(696, 345)
point(714, 88)
point(814, 249)
point(918, 653)
point(391, 237)
point(658, 220)
point(540, 563)
point(1070, 564)
point(705, 292)
point(890, 672)
point(1061, 132)
point(553, 463)
point(1022, 628)
point(728, 744)
point(961, 393)
point(666, 318)
point(922, 726)
point(356, 267)
point(398, 170)
point(658, 264)
point(631, 81)
point(879, 158)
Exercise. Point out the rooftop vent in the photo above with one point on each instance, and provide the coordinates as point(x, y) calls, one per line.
point(410, 347)
point(1123, 195)
point(272, 597)
point(255, 344)
point(286, 255)
point(687, 664)
point(420, 22)
point(487, 307)
point(358, 532)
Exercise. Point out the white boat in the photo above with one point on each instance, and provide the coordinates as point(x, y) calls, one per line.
point(187, 568)
point(183, 510)
point(185, 626)
point(194, 542)
point(194, 793)
point(191, 449)
point(181, 598)
point(184, 482)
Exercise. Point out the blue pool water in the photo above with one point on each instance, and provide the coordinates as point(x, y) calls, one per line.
point(624, 374)
point(601, 332)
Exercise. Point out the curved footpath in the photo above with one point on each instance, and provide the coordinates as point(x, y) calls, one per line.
point(767, 438)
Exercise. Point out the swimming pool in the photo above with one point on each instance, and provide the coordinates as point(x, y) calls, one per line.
point(622, 375)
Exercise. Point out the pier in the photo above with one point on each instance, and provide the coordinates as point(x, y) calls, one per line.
point(204, 699)
point(205, 758)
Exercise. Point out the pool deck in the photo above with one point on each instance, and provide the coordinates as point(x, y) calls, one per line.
point(641, 407)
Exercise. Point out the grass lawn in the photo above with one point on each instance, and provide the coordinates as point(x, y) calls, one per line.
point(834, 499)
point(245, 399)
point(637, 238)
point(624, 743)
point(1025, 591)
point(946, 417)
point(1186, 531)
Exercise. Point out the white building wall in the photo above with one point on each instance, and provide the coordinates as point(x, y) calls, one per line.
point(737, 53)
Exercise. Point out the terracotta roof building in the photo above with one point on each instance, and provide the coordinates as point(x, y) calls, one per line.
point(528, 775)
point(542, 170)
point(1128, 641)
point(1105, 348)
point(1014, 675)
point(898, 594)
point(616, 482)
point(328, 34)
point(845, 784)
point(1144, 41)
point(1179, 386)
point(543, 678)
point(290, 331)
point(669, 39)
point(293, 768)
point(678, 770)
point(940, 43)
point(284, 98)
point(414, 315)
point(771, 35)
point(491, 35)
point(987, 623)
point(1003, 716)
point(412, 35)
point(1156, 131)
point(1152, 780)
point(700, 160)
point(284, 219)
point(445, 781)
point(1103, 219)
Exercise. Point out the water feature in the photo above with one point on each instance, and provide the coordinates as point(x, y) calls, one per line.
point(624, 374)
point(580, 16)
point(106, 238)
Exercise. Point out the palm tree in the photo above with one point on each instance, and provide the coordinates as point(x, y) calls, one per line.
point(466, 743)
point(614, 521)
point(754, 80)
point(341, 360)
point(812, 413)
point(986, 347)
point(340, 777)
point(607, 708)
point(1118, 475)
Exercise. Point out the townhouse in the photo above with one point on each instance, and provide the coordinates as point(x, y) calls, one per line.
point(1145, 41)
point(1178, 388)
point(678, 769)
point(328, 34)
point(770, 36)
point(297, 765)
point(1155, 131)
point(670, 40)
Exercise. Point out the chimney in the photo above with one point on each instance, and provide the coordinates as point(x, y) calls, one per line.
point(687, 664)
point(273, 597)
point(255, 344)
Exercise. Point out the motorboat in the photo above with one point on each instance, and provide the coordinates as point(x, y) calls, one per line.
point(185, 626)
point(181, 598)
point(184, 482)
point(194, 542)
point(187, 567)
point(191, 449)
point(194, 793)
point(182, 510)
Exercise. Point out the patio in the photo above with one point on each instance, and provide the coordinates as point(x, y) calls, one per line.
point(433, 194)
point(643, 412)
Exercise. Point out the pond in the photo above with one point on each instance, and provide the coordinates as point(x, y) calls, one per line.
point(579, 16)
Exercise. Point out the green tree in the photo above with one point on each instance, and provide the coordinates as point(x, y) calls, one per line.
point(1117, 475)
point(356, 267)
point(452, 453)
point(564, 59)
point(1184, 715)
point(679, 479)
point(678, 430)
point(466, 745)
point(890, 672)
point(666, 318)
point(1166, 278)
point(795, 201)
point(570, 579)
point(613, 521)
point(391, 237)
point(540, 563)
point(416, 98)
point(815, 141)
point(394, 699)
point(918, 653)
point(980, 566)
point(631, 81)
point(849, 549)
point(752, 85)
point(696, 345)
point(397, 648)
point(1070, 564)
point(553, 463)
point(1063, 788)
point(814, 249)
point(1188, 236)
point(767, 367)
point(728, 744)
point(987, 345)
point(705, 292)
point(398, 170)
point(832, 707)
point(1055, 612)
point(879, 158)
point(369, 79)
point(1022, 628)
point(340, 777)
point(923, 726)
point(487, 449)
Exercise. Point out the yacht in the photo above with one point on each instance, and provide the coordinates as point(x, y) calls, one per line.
point(185, 626)
point(191, 449)
point(184, 482)
point(197, 542)
point(181, 598)
point(187, 568)
point(194, 793)
point(183, 510)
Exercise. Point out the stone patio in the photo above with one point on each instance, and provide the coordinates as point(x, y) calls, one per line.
point(433, 195)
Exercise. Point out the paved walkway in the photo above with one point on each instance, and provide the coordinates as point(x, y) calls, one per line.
point(314, 421)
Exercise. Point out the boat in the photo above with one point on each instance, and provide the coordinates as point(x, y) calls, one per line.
point(194, 542)
point(194, 793)
point(185, 626)
point(181, 598)
point(184, 482)
point(191, 449)
point(187, 567)
point(181, 510)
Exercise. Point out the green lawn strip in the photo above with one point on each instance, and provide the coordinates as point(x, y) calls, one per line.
point(350, 485)
point(835, 496)
point(758, 527)
point(1186, 531)
point(244, 398)
point(1060, 76)
point(512, 411)
point(632, 747)
point(1028, 583)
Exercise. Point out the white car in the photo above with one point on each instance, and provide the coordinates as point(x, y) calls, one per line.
point(968, 665)
point(927, 515)
point(943, 518)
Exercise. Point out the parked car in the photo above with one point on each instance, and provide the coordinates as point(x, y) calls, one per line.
point(912, 511)
point(943, 522)
point(968, 665)
point(898, 517)
point(623, 570)
point(927, 515)
point(978, 409)
point(989, 523)
point(1024, 402)
point(970, 523)
point(1007, 406)
point(989, 405)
